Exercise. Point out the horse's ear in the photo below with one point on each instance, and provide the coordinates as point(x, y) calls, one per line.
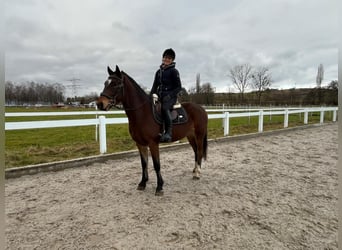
point(117, 71)
point(110, 71)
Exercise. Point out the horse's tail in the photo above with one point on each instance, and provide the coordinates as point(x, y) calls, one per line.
point(205, 146)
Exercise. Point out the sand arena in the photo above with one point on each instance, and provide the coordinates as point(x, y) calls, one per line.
point(270, 192)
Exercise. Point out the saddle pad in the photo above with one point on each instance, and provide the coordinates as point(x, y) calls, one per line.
point(178, 114)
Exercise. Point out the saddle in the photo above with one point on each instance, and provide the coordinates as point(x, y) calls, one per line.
point(178, 113)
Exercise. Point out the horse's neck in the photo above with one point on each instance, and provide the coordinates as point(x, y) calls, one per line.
point(133, 100)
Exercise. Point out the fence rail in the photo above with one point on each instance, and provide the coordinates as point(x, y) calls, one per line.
point(101, 121)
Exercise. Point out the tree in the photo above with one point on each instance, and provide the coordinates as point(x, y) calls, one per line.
point(331, 93)
point(89, 98)
point(32, 93)
point(9, 92)
point(207, 93)
point(333, 85)
point(198, 83)
point(320, 75)
point(240, 76)
point(261, 81)
point(203, 94)
point(319, 79)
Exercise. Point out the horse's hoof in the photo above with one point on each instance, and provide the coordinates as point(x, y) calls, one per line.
point(196, 177)
point(141, 188)
point(159, 193)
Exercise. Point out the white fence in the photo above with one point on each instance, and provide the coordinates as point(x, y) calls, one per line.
point(100, 121)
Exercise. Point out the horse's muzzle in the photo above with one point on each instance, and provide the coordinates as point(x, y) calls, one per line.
point(103, 103)
point(99, 105)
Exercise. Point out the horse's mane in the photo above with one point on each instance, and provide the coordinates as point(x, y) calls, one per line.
point(136, 85)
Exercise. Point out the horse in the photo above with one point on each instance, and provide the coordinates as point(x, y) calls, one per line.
point(120, 88)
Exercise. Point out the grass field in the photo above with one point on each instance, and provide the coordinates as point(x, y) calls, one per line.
point(33, 146)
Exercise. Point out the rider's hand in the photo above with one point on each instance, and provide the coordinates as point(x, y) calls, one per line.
point(155, 98)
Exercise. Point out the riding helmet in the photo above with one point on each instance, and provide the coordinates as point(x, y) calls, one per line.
point(169, 52)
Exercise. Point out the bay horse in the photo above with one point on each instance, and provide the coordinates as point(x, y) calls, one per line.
point(120, 88)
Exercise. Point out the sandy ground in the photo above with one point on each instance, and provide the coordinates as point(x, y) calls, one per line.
point(271, 192)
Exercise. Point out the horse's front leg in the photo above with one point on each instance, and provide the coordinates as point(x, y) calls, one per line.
point(154, 148)
point(143, 150)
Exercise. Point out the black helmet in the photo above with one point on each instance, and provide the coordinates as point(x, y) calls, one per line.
point(169, 52)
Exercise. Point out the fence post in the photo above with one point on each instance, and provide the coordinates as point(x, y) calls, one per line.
point(96, 127)
point(321, 117)
point(102, 134)
point(261, 121)
point(334, 114)
point(306, 116)
point(286, 118)
point(226, 123)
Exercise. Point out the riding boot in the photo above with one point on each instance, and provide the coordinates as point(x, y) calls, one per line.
point(167, 136)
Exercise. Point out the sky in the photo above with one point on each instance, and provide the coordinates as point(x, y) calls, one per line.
point(56, 41)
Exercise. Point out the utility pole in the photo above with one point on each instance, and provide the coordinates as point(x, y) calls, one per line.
point(74, 86)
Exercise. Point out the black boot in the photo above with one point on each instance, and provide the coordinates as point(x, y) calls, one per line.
point(167, 136)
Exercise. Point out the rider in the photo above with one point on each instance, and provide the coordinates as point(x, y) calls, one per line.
point(167, 85)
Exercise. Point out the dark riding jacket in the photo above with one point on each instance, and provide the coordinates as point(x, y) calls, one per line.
point(167, 84)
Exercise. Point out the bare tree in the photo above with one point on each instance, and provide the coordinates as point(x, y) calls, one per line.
point(9, 92)
point(32, 92)
point(240, 76)
point(261, 81)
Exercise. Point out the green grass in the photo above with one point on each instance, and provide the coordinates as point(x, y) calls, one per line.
point(33, 146)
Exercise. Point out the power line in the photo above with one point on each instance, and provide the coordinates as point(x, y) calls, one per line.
point(73, 85)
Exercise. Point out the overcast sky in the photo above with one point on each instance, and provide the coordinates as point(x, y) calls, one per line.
point(57, 40)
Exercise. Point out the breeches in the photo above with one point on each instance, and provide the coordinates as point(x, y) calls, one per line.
point(169, 104)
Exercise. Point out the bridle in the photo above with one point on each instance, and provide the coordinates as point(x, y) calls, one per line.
point(120, 86)
point(112, 99)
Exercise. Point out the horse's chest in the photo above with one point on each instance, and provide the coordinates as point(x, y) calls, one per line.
point(138, 133)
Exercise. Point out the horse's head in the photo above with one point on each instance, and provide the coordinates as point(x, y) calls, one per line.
point(112, 93)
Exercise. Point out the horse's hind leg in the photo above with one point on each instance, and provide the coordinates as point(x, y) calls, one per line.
point(143, 150)
point(196, 172)
point(154, 148)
